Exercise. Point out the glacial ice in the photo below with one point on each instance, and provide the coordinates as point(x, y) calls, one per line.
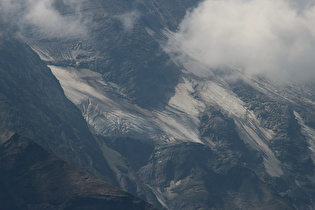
point(113, 116)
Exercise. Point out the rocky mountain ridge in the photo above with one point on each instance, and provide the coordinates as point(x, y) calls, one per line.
point(175, 132)
point(32, 178)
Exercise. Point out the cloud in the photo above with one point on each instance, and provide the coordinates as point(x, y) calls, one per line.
point(8, 10)
point(129, 19)
point(270, 37)
point(43, 17)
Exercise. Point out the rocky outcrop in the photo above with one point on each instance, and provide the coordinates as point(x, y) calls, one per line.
point(33, 104)
point(32, 178)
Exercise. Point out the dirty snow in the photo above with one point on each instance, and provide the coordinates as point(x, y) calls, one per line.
point(257, 137)
point(76, 88)
point(113, 116)
point(308, 132)
point(212, 93)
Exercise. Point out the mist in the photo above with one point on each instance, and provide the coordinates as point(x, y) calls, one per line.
point(43, 18)
point(129, 19)
point(275, 38)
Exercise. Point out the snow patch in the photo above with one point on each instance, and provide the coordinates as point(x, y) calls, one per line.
point(159, 196)
point(43, 54)
point(257, 137)
point(169, 190)
point(308, 132)
point(112, 116)
point(76, 88)
point(212, 93)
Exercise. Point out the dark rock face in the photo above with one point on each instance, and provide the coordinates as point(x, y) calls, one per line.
point(291, 143)
point(136, 152)
point(32, 178)
point(33, 104)
point(192, 176)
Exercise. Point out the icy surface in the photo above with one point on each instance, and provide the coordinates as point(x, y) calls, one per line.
point(76, 89)
point(109, 113)
point(256, 136)
point(113, 116)
point(107, 116)
point(308, 132)
point(212, 93)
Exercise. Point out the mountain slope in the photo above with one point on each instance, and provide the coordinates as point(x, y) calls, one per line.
point(33, 104)
point(32, 178)
point(192, 176)
point(185, 131)
point(125, 55)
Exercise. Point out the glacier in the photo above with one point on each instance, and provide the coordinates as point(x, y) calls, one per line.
point(110, 114)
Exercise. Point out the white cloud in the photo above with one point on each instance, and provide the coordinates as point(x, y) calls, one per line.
point(272, 37)
point(129, 19)
point(48, 20)
point(42, 16)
